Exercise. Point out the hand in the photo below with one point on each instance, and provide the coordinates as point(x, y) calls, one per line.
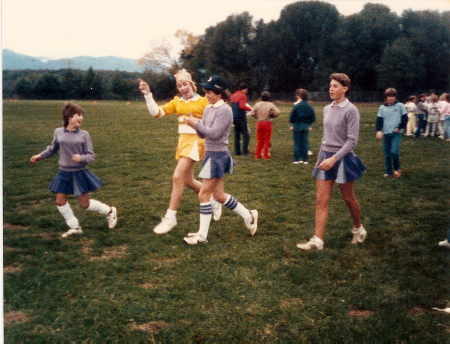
point(76, 158)
point(191, 120)
point(379, 135)
point(396, 130)
point(310, 129)
point(35, 158)
point(327, 164)
point(291, 128)
point(143, 87)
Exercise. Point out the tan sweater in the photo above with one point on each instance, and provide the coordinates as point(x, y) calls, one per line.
point(264, 111)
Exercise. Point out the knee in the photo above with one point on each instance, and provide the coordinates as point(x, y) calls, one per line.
point(85, 204)
point(178, 178)
point(61, 203)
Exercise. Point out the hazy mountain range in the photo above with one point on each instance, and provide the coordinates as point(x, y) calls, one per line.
point(15, 61)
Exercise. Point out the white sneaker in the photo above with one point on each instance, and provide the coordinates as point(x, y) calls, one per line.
point(112, 218)
point(194, 239)
point(359, 235)
point(297, 162)
point(314, 243)
point(72, 231)
point(165, 225)
point(310, 153)
point(252, 222)
point(445, 244)
point(216, 209)
point(305, 163)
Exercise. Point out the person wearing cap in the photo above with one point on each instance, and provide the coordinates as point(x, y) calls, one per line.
point(215, 127)
point(240, 107)
point(190, 146)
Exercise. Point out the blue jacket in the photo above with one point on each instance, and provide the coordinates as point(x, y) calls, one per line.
point(302, 116)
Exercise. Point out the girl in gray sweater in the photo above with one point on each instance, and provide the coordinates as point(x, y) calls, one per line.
point(214, 128)
point(337, 162)
point(74, 178)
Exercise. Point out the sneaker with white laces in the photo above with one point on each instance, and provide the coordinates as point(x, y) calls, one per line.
point(72, 231)
point(252, 222)
point(165, 225)
point(445, 244)
point(314, 243)
point(112, 218)
point(216, 209)
point(194, 239)
point(359, 235)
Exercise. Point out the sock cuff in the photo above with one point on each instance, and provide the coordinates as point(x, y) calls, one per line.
point(205, 208)
point(231, 202)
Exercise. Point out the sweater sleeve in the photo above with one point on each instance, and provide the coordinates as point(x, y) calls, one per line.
point(52, 149)
point(221, 124)
point(352, 120)
point(88, 150)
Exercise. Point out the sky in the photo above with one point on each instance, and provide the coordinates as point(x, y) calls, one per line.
point(59, 29)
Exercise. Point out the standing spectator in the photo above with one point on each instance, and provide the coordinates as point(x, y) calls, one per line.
point(445, 112)
point(264, 111)
point(411, 108)
point(337, 162)
point(433, 116)
point(240, 107)
point(391, 119)
point(422, 112)
point(442, 110)
point(301, 119)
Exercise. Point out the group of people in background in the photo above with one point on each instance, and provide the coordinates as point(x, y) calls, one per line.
point(204, 124)
point(428, 115)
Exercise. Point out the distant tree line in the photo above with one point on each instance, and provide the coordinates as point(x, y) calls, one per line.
point(375, 47)
point(83, 85)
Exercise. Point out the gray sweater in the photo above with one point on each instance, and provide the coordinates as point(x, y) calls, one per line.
point(340, 129)
point(215, 126)
point(70, 143)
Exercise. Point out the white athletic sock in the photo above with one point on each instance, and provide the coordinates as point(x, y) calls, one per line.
point(99, 207)
point(232, 204)
point(171, 214)
point(67, 213)
point(205, 219)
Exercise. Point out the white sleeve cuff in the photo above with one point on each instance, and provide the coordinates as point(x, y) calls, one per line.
point(153, 108)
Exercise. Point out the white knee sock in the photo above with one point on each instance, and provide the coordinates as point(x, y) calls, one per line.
point(205, 218)
point(232, 204)
point(67, 213)
point(99, 207)
point(171, 214)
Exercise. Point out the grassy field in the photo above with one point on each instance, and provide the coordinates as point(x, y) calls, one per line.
point(129, 285)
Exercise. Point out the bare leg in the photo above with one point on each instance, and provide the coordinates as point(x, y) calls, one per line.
point(183, 176)
point(348, 194)
point(324, 188)
point(61, 199)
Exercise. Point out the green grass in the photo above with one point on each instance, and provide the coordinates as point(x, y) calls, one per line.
point(129, 285)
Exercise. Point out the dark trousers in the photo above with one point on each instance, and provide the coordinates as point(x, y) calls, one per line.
point(240, 127)
point(301, 145)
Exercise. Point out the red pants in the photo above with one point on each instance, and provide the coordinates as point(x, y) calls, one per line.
point(263, 137)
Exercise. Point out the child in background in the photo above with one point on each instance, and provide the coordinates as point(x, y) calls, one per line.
point(411, 108)
point(422, 112)
point(215, 128)
point(74, 178)
point(391, 119)
point(264, 111)
point(433, 116)
point(301, 119)
point(445, 113)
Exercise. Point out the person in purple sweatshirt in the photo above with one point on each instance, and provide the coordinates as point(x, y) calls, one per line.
point(215, 127)
point(73, 178)
point(337, 162)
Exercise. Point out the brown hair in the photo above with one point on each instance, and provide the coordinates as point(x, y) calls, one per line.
point(70, 110)
point(411, 98)
point(390, 92)
point(444, 96)
point(343, 79)
point(265, 96)
point(302, 93)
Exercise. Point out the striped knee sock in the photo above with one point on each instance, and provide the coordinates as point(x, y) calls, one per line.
point(67, 213)
point(232, 204)
point(205, 218)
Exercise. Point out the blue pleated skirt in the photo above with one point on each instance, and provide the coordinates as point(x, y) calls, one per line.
point(216, 164)
point(75, 183)
point(349, 168)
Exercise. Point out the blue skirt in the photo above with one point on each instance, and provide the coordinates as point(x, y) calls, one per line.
point(75, 183)
point(216, 164)
point(348, 169)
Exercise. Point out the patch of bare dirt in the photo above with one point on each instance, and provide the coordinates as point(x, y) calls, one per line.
point(15, 317)
point(12, 269)
point(114, 252)
point(356, 313)
point(152, 326)
point(8, 226)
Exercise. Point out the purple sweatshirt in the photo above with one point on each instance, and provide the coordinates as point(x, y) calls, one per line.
point(70, 143)
point(340, 128)
point(215, 126)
